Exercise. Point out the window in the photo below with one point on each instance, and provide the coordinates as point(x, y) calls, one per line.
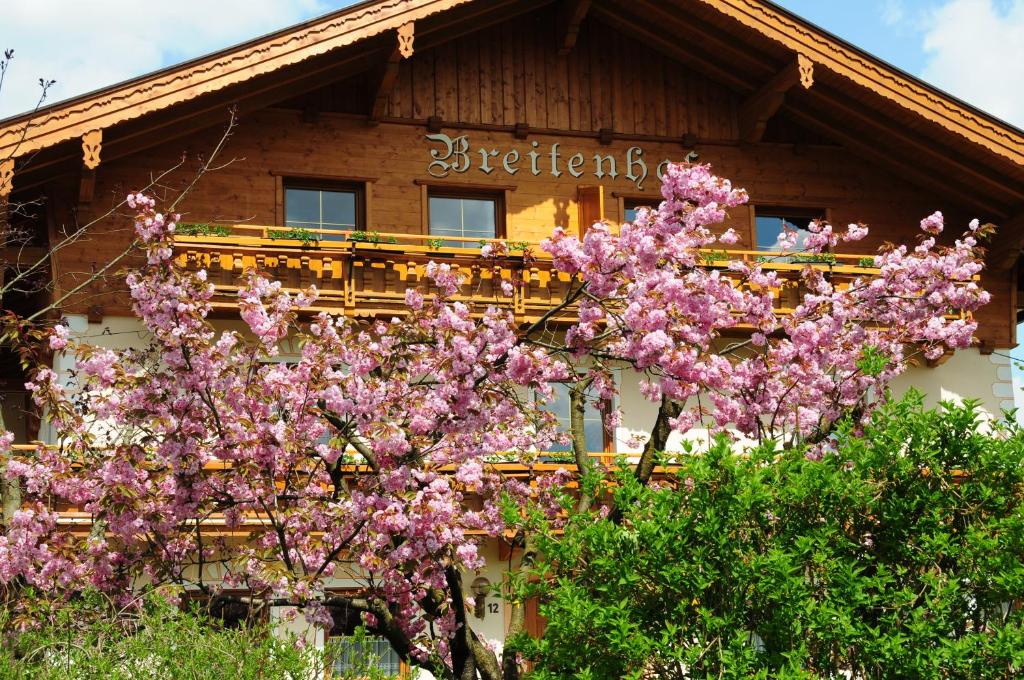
point(469, 216)
point(353, 652)
point(769, 222)
point(630, 206)
point(228, 608)
point(593, 419)
point(323, 207)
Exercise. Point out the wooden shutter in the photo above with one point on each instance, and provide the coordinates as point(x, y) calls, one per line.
point(591, 205)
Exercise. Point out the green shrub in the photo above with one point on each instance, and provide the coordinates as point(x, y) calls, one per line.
point(899, 554)
point(88, 639)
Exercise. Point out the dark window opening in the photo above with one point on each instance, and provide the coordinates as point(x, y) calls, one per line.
point(473, 217)
point(323, 209)
point(228, 609)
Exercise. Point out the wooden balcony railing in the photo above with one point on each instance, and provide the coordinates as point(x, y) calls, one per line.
point(75, 519)
point(366, 274)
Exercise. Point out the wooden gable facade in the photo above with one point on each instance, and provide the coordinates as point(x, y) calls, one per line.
point(533, 102)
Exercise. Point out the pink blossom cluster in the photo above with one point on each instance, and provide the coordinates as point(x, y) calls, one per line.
point(647, 300)
point(362, 454)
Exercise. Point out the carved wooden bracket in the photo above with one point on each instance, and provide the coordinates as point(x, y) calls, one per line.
point(806, 68)
point(405, 38)
point(757, 109)
point(92, 144)
point(6, 177)
point(388, 76)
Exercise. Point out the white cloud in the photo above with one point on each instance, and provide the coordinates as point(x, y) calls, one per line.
point(893, 12)
point(975, 51)
point(86, 45)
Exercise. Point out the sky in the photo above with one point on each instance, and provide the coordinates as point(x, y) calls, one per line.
point(973, 49)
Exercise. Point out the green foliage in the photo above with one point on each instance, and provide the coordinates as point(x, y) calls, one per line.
point(712, 256)
point(87, 640)
point(201, 229)
point(295, 234)
point(372, 237)
point(872, 361)
point(896, 555)
point(815, 258)
point(866, 262)
point(434, 243)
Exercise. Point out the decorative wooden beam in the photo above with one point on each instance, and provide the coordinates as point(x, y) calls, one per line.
point(92, 145)
point(6, 186)
point(406, 34)
point(570, 16)
point(389, 72)
point(6, 177)
point(86, 186)
point(758, 108)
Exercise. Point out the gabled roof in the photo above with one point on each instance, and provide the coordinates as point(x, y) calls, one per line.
point(743, 41)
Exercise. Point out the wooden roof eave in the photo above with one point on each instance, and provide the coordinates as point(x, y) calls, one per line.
point(752, 62)
point(929, 104)
point(157, 91)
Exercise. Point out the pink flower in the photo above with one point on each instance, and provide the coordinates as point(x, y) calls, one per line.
point(729, 237)
point(59, 337)
point(933, 223)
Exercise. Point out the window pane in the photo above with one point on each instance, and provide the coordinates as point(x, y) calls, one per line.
point(478, 216)
point(351, 654)
point(631, 209)
point(302, 205)
point(769, 229)
point(471, 218)
point(339, 208)
point(593, 422)
point(445, 215)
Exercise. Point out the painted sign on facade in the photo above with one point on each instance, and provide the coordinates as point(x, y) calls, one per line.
point(456, 155)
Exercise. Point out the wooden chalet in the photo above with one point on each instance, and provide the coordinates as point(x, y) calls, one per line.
point(378, 137)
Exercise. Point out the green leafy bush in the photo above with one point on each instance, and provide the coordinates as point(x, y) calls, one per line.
point(898, 554)
point(88, 639)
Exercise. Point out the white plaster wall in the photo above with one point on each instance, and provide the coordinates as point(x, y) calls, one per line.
point(967, 374)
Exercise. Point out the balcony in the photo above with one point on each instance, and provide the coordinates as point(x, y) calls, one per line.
point(77, 520)
point(364, 274)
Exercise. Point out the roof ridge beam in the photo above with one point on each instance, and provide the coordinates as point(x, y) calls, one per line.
point(757, 109)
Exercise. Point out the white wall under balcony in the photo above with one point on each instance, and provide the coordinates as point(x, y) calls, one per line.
point(967, 374)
